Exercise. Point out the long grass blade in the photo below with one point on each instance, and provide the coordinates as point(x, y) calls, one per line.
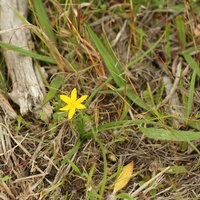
point(148, 51)
point(56, 83)
point(180, 25)
point(115, 69)
point(43, 19)
point(191, 94)
point(193, 64)
point(25, 52)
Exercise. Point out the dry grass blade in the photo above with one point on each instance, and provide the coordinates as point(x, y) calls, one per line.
point(4, 197)
point(141, 188)
point(5, 105)
point(5, 149)
point(8, 191)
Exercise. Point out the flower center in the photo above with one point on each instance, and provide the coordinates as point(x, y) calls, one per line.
point(73, 103)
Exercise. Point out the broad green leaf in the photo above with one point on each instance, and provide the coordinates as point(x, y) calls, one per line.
point(123, 178)
point(171, 135)
point(25, 52)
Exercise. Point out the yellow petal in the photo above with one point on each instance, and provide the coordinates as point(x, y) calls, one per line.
point(80, 106)
point(71, 113)
point(81, 99)
point(74, 95)
point(65, 98)
point(123, 178)
point(67, 107)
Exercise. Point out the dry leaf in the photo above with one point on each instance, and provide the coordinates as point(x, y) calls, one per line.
point(123, 178)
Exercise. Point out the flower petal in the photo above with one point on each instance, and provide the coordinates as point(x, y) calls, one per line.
point(67, 107)
point(71, 113)
point(81, 99)
point(80, 106)
point(65, 98)
point(74, 95)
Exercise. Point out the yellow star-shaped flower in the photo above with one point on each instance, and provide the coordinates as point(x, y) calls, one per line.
point(73, 103)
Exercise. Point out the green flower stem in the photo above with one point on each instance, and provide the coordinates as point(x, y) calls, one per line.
point(104, 180)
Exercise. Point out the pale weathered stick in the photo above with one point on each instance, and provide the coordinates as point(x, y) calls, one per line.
point(27, 92)
point(7, 108)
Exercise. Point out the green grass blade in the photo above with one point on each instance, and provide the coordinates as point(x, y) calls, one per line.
point(74, 167)
point(96, 91)
point(105, 167)
point(25, 52)
point(56, 83)
point(89, 178)
point(191, 94)
point(177, 169)
point(168, 43)
point(171, 135)
point(148, 51)
point(5, 178)
point(112, 64)
point(191, 62)
point(115, 69)
point(180, 25)
point(43, 19)
point(191, 50)
point(137, 100)
point(120, 124)
point(2, 82)
point(125, 196)
point(72, 152)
